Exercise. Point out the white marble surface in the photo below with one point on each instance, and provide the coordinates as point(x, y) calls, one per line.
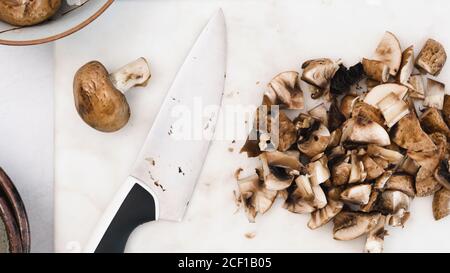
point(265, 37)
point(26, 130)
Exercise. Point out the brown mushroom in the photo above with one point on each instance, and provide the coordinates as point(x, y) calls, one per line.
point(368, 111)
point(316, 143)
point(318, 172)
point(324, 215)
point(376, 70)
point(407, 65)
point(254, 195)
point(375, 237)
point(340, 173)
point(27, 12)
point(393, 201)
point(428, 161)
point(432, 121)
point(351, 225)
point(320, 113)
point(441, 204)
point(432, 57)
point(393, 109)
point(379, 92)
point(391, 156)
point(442, 173)
point(347, 103)
point(358, 194)
point(389, 52)
point(434, 94)
point(279, 169)
point(446, 109)
point(319, 72)
point(363, 130)
point(408, 134)
point(99, 96)
point(401, 182)
point(284, 90)
point(417, 84)
point(372, 168)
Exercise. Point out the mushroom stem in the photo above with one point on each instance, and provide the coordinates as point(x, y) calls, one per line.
point(136, 73)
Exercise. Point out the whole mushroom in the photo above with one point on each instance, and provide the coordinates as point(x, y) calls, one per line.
point(99, 96)
point(27, 12)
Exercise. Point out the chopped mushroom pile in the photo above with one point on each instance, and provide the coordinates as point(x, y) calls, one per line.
point(361, 156)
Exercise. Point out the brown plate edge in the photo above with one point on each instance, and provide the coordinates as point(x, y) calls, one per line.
point(61, 35)
point(12, 230)
point(15, 201)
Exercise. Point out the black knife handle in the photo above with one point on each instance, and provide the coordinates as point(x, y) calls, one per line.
point(138, 207)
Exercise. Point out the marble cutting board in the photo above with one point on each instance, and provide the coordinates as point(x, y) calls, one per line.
point(265, 37)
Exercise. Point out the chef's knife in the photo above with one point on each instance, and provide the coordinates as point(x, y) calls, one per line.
point(169, 164)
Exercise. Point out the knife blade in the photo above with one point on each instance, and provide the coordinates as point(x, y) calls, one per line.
point(167, 168)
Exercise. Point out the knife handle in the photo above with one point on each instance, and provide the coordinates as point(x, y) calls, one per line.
point(133, 205)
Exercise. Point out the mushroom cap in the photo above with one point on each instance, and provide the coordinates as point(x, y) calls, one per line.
point(363, 130)
point(441, 204)
point(432, 57)
point(401, 182)
point(368, 111)
point(316, 143)
point(392, 201)
point(27, 12)
point(285, 90)
point(347, 103)
point(97, 101)
point(319, 72)
point(351, 225)
point(408, 134)
point(371, 167)
point(389, 52)
point(376, 70)
point(432, 122)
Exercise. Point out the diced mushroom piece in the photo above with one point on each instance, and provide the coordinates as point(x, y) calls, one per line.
point(381, 181)
point(368, 111)
point(408, 134)
point(441, 204)
point(407, 65)
point(375, 237)
point(358, 194)
point(316, 143)
point(319, 72)
point(376, 70)
point(417, 87)
point(254, 195)
point(409, 166)
point(320, 199)
point(279, 169)
point(304, 187)
point(357, 172)
point(398, 219)
point(432, 57)
point(335, 116)
point(442, 173)
point(432, 121)
point(428, 161)
point(363, 130)
point(391, 156)
point(401, 182)
point(393, 109)
point(284, 90)
point(434, 96)
point(379, 92)
point(347, 103)
point(287, 132)
point(335, 138)
point(389, 52)
point(318, 172)
point(340, 173)
point(351, 225)
point(369, 207)
point(320, 112)
point(372, 168)
point(324, 215)
point(296, 204)
point(440, 140)
point(370, 84)
point(446, 109)
point(392, 201)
